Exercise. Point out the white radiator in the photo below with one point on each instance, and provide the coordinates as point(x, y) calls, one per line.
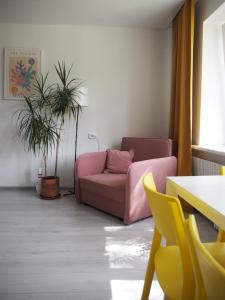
point(205, 167)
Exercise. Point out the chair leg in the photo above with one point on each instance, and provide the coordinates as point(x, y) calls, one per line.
point(151, 265)
point(220, 236)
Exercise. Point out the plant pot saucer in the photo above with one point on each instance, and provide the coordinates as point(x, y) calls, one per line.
point(50, 198)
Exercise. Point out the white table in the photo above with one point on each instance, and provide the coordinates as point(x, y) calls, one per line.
point(205, 193)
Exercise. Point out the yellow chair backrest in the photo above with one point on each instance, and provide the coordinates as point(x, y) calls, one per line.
point(208, 271)
point(222, 170)
point(169, 221)
point(167, 213)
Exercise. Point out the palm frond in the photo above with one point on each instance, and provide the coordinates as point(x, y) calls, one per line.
point(37, 131)
point(65, 100)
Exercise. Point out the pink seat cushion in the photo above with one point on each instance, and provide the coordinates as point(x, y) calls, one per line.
point(118, 161)
point(111, 186)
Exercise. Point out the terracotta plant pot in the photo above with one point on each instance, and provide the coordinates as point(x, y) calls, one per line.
point(50, 187)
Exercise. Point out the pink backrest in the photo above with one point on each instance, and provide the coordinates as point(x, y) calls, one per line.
point(148, 148)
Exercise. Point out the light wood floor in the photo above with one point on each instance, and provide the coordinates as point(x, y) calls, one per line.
point(61, 250)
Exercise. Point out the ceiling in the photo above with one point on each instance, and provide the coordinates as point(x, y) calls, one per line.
point(135, 13)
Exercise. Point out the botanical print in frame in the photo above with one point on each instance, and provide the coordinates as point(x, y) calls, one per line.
point(21, 68)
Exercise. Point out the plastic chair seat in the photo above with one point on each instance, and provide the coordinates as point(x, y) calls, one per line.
point(209, 270)
point(169, 271)
point(168, 267)
point(173, 264)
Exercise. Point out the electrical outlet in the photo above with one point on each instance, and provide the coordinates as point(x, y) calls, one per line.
point(92, 136)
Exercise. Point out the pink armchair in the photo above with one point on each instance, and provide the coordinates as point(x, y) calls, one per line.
point(123, 195)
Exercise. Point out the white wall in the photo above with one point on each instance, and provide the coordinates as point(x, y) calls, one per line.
point(127, 72)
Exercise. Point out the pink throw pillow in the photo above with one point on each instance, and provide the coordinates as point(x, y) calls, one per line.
point(118, 161)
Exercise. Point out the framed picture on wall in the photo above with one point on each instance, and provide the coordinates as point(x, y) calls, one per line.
point(21, 66)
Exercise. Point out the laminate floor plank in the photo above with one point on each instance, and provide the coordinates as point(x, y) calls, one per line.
point(62, 250)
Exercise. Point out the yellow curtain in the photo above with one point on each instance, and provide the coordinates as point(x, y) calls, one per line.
point(182, 86)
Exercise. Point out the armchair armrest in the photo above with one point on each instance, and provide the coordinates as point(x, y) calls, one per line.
point(89, 164)
point(136, 204)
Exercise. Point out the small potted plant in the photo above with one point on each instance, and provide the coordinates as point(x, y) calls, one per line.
point(40, 121)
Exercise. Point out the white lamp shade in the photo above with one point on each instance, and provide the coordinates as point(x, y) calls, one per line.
point(83, 97)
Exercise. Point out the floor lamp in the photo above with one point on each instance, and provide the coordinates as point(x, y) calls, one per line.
point(82, 102)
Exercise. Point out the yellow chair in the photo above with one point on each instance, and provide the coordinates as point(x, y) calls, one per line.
point(221, 233)
point(209, 271)
point(172, 263)
point(222, 170)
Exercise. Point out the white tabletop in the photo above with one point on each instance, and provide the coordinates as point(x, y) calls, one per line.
point(205, 193)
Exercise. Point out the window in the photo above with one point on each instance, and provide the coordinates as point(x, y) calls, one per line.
point(212, 126)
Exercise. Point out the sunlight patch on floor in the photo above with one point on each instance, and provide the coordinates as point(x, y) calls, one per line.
point(123, 254)
point(113, 228)
point(132, 290)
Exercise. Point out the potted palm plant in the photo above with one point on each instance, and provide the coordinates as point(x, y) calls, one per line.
point(64, 103)
point(41, 120)
point(36, 127)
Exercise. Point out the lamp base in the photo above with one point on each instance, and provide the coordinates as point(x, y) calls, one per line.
point(69, 193)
